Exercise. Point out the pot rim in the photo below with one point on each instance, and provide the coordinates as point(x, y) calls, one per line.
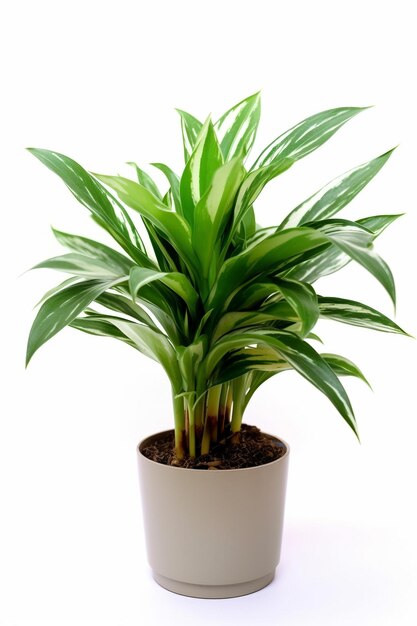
point(191, 469)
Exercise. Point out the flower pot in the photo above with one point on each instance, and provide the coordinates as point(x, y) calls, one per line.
point(213, 534)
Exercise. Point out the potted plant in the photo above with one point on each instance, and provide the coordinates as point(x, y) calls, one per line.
point(222, 304)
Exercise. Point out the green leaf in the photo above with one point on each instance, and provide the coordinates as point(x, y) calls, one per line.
point(378, 223)
point(117, 262)
point(254, 184)
point(57, 288)
point(356, 242)
point(92, 259)
point(81, 265)
point(307, 136)
point(246, 228)
point(117, 302)
point(303, 299)
point(199, 171)
point(299, 354)
point(105, 209)
point(177, 282)
point(300, 306)
point(191, 128)
point(61, 308)
point(189, 359)
point(158, 243)
point(262, 257)
point(255, 381)
point(100, 326)
point(335, 195)
point(251, 296)
point(322, 262)
point(343, 367)
point(356, 314)
point(237, 127)
point(249, 360)
point(154, 345)
point(213, 211)
point(234, 320)
point(145, 180)
point(174, 183)
point(144, 202)
point(167, 256)
point(314, 337)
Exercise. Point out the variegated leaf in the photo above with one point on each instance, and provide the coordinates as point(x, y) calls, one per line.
point(190, 127)
point(335, 195)
point(178, 283)
point(199, 171)
point(306, 136)
point(105, 209)
point(356, 314)
point(62, 308)
point(343, 366)
point(236, 129)
point(154, 345)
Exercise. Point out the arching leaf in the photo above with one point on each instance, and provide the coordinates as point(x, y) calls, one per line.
point(335, 195)
point(308, 135)
point(62, 308)
point(237, 127)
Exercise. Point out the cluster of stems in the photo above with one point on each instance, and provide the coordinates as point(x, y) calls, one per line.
point(215, 416)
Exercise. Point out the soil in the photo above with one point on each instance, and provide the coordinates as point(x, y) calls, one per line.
point(255, 448)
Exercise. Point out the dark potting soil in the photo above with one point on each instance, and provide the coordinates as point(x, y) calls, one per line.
point(255, 448)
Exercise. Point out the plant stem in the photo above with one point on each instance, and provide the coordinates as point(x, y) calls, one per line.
point(212, 410)
point(229, 400)
point(222, 410)
point(239, 390)
point(199, 421)
point(191, 428)
point(201, 394)
point(179, 420)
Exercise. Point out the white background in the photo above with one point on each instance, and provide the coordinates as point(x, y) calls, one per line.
point(99, 81)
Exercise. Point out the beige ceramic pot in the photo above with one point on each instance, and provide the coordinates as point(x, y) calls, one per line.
point(213, 534)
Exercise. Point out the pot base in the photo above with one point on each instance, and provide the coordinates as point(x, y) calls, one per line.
point(213, 591)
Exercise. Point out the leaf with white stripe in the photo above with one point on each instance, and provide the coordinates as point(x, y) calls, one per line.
point(308, 135)
point(311, 267)
point(61, 308)
point(174, 226)
point(234, 320)
point(190, 128)
point(106, 211)
point(356, 242)
point(343, 367)
point(146, 180)
point(356, 314)
point(240, 362)
point(81, 265)
point(213, 211)
point(117, 302)
point(265, 256)
point(303, 299)
point(156, 346)
point(95, 250)
point(236, 129)
point(252, 186)
point(174, 184)
point(100, 326)
point(57, 288)
point(177, 282)
point(378, 223)
point(335, 195)
point(199, 171)
point(299, 354)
